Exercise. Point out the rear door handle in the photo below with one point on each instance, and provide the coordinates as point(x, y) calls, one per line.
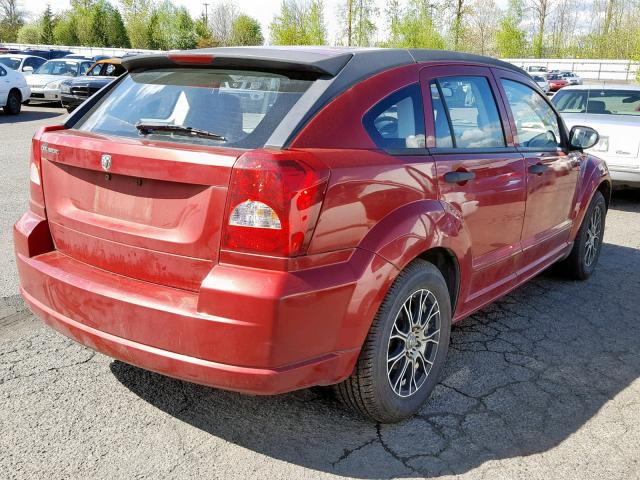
point(458, 177)
point(538, 168)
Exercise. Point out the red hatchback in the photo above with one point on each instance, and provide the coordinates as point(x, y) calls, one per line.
point(556, 82)
point(265, 220)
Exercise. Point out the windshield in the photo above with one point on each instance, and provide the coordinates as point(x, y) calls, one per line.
point(58, 67)
point(603, 102)
point(12, 63)
point(537, 78)
point(242, 108)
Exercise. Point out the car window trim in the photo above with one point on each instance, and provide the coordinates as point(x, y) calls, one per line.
point(452, 135)
point(473, 151)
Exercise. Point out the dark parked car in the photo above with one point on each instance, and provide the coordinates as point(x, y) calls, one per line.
point(326, 232)
point(46, 54)
point(75, 91)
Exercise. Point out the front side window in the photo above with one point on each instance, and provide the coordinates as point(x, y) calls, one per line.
point(397, 122)
point(473, 116)
point(536, 123)
point(162, 104)
point(603, 102)
point(95, 71)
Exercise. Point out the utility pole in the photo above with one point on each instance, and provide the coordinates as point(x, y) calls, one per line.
point(206, 13)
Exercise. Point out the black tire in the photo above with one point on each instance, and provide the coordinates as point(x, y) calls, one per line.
point(581, 263)
point(14, 103)
point(369, 390)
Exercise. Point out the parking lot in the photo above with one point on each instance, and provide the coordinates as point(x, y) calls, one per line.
point(543, 384)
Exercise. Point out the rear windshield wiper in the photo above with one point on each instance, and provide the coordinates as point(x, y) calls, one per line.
point(151, 128)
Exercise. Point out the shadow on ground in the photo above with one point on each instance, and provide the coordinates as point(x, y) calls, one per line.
point(522, 375)
point(31, 115)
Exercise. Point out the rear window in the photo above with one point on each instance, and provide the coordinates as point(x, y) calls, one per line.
point(604, 102)
point(240, 108)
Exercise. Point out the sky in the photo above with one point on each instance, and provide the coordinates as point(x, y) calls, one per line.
point(262, 10)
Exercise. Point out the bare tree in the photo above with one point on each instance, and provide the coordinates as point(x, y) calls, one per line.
point(11, 19)
point(483, 20)
point(221, 22)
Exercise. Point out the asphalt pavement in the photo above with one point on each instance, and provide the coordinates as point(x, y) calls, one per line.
point(543, 384)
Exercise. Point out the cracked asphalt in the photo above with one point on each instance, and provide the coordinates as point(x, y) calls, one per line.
point(542, 384)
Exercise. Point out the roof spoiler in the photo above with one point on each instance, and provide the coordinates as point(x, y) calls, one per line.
point(270, 59)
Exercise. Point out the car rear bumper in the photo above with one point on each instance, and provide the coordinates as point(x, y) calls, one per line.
point(253, 331)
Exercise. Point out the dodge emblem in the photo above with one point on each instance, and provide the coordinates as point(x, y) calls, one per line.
point(106, 162)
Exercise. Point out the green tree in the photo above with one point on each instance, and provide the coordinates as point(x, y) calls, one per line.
point(11, 20)
point(510, 38)
point(184, 35)
point(29, 33)
point(415, 28)
point(358, 25)
point(315, 25)
point(118, 36)
point(99, 26)
point(204, 37)
point(46, 27)
point(137, 15)
point(246, 31)
point(299, 23)
point(65, 30)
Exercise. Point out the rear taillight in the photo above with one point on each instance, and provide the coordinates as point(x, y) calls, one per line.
point(36, 201)
point(273, 203)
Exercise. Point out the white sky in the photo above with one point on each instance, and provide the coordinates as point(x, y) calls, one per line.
point(262, 10)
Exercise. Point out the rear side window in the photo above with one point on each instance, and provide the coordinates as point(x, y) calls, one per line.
point(3, 72)
point(234, 108)
point(536, 122)
point(470, 108)
point(397, 122)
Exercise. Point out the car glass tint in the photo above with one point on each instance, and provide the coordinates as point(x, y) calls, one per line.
point(536, 122)
point(441, 123)
point(397, 122)
point(472, 112)
point(12, 63)
point(58, 67)
point(602, 102)
point(214, 100)
point(95, 71)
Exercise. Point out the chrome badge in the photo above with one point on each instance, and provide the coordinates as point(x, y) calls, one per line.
point(106, 162)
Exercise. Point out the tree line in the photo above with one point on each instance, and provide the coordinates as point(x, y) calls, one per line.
point(524, 28)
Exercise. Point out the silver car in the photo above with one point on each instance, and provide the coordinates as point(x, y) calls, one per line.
point(614, 111)
point(542, 83)
point(572, 78)
point(45, 81)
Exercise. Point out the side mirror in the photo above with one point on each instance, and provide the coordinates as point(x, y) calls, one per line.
point(582, 138)
point(27, 69)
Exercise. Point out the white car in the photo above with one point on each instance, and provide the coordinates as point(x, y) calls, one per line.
point(14, 90)
point(45, 81)
point(26, 64)
point(572, 78)
point(542, 83)
point(614, 111)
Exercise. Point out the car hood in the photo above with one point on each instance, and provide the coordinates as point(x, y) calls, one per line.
point(90, 81)
point(39, 80)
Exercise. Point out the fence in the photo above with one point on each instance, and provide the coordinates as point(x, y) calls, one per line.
point(613, 70)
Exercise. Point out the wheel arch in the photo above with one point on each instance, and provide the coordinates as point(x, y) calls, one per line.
point(446, 261)
point(17, 90)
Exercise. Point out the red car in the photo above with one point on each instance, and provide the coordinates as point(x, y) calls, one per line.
point(265, 220)
point(556, 82)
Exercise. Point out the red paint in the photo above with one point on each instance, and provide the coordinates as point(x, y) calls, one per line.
point(140, 262)
point(557, 84)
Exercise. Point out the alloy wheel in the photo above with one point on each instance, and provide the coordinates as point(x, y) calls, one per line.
point(413, 343)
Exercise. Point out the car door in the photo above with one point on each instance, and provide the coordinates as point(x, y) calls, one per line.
point(552, 174)
point(5, 85)
point(481, 175)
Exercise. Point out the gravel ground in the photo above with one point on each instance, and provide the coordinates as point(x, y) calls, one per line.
point(542, 384)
